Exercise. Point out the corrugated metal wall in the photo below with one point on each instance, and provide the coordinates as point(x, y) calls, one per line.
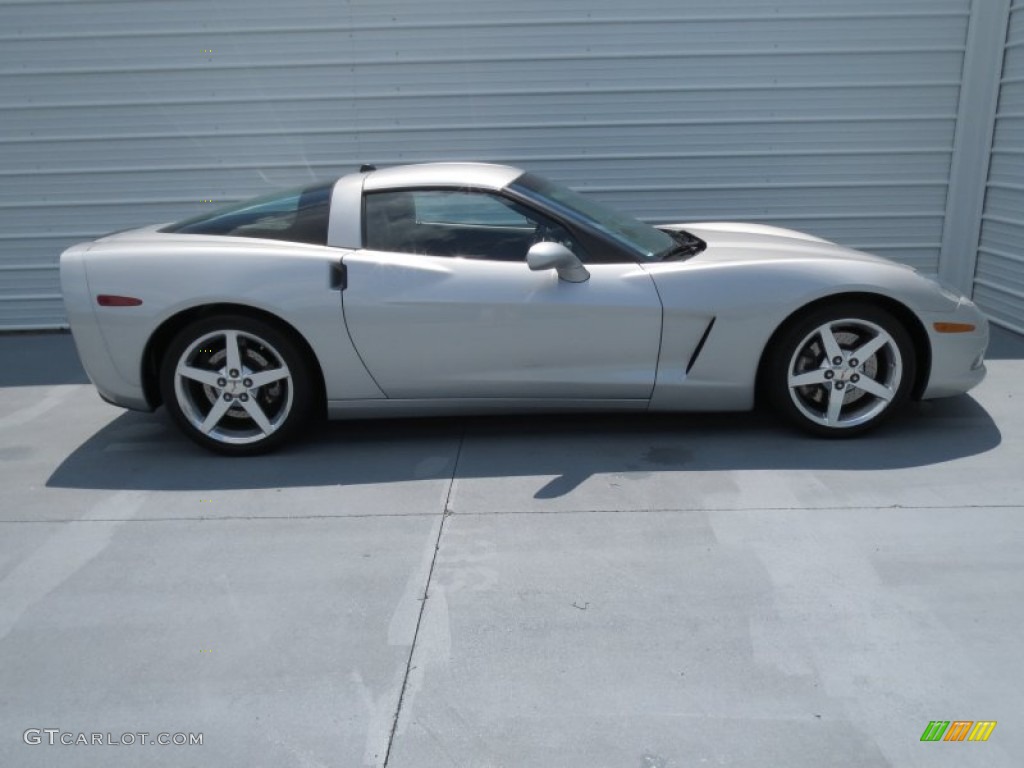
point(824, 115)
point(999, 278)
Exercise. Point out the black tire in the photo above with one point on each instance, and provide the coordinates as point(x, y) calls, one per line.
point(838, 395)
point(286, 399)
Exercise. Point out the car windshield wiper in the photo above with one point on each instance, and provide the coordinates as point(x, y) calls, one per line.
point(686, 245)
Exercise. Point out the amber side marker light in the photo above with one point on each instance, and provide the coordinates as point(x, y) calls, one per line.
point(106, 300)
point(953, 327)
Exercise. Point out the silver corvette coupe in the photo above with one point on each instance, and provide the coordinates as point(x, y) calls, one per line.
point(458, 288)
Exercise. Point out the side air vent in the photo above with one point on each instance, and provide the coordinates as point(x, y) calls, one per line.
point(700, 345)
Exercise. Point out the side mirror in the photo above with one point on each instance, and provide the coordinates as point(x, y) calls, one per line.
point(556, 256)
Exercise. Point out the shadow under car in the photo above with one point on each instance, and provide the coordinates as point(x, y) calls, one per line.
point(144, 452)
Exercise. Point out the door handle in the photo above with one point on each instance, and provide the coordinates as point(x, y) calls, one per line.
point(339, 277)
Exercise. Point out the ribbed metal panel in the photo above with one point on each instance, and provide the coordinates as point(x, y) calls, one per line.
point(999, 275)
point(824, 115)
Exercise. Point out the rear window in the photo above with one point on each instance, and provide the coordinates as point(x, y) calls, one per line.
point(297, 215)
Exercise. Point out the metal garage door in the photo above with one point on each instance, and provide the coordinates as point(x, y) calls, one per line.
point(999, 278)
point(825, 115)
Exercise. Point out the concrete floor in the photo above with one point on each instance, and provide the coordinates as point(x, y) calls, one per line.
point(601, 591)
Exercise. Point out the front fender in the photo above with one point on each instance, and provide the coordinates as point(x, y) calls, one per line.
point(748, 302)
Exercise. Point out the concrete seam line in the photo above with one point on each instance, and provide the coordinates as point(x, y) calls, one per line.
point(682, 510)
point(412, 515)
point(228, 518)
point(445, 512)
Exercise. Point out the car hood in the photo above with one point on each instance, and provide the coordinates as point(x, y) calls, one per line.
point(728, 241)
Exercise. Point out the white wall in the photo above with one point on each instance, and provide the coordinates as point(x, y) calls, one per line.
point(999, 280)
point(825, 115)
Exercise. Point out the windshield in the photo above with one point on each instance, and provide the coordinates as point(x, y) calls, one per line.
point(649, 243)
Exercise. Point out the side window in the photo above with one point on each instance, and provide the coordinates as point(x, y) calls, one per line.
point(467, 209)
point(457, 223)
point(299, 215)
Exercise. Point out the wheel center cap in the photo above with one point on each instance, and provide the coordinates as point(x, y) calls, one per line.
point(234, 387)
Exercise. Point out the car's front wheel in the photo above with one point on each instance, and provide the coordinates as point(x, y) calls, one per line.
point(236, 385)
point(841, 371)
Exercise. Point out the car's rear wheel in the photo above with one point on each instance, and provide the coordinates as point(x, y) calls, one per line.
point(236, 385)
point(841, 371)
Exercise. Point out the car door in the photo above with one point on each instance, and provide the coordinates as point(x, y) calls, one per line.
point(441, 304)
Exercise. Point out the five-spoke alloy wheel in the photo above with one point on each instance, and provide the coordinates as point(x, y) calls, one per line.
point(840, 371)
point(236, 385)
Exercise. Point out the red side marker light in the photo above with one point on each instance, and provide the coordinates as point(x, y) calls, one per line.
point(953, 327)
point(106, 300)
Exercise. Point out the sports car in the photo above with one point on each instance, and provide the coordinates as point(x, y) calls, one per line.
point(470, 288)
